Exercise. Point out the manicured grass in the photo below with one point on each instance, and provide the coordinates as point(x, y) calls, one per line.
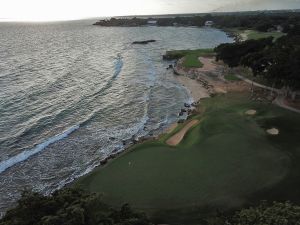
point(192, 61)
point(251, 34)
point(226, 161)
point(231, 77)
point(177, 54)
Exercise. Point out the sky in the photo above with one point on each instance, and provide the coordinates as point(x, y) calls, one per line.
point(51, 10)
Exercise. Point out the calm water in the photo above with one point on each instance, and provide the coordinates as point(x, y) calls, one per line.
point(70, 93)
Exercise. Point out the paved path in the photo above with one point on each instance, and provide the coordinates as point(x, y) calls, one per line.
point(280, 96)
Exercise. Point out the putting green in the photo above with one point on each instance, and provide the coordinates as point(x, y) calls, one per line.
point(221, 162)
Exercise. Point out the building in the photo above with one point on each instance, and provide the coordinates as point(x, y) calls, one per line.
point(152, 22)
point(209, 23)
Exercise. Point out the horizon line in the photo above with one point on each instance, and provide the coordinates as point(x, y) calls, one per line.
point(3, 20)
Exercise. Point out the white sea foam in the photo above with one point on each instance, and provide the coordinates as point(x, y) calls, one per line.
point(118, 65)
point(4, 165)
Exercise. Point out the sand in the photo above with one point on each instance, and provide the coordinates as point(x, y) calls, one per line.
point(208, 64)
point(177, 138)
point(251, 112)
point(171, 128)
point(273, 131)
point(197, 91)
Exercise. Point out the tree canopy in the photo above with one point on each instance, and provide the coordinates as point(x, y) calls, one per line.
point(69, 207)
point(277, 61)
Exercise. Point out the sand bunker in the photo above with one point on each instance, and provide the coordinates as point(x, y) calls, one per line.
point(171, 128)
point(273, 131)
point(251, 112)
point(177, 138)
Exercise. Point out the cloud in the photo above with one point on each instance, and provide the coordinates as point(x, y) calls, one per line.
point(237, 5)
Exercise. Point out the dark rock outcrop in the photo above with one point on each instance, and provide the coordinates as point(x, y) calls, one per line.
point(143, 42)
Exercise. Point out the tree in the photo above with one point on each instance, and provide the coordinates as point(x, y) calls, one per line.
point(268, 214)
point(70, 207)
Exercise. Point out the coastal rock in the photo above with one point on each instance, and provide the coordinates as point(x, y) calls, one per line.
point(143, 42)
point(103, 162)
point(187, 105)
point(170, 67)
point(175, 72)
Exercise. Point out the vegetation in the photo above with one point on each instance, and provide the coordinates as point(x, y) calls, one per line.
point(178, 54)
point(69, 207)
point(192, 61)
point(231, 77)
point(244, 35)
point(278, 62)
point(252, 34)
point(232, 54)
point(76, 207)
point(173, 184)
point(264, 22)
point(267, 214)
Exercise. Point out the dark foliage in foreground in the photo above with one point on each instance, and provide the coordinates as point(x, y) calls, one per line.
point(279, 61)
point(264, 214)
point(76, 207)
point(69, 207)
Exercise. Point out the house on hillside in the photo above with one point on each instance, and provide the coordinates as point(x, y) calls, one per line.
point(209, 23)
point(152, 22)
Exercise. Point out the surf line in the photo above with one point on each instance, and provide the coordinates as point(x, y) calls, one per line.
point(4, 165)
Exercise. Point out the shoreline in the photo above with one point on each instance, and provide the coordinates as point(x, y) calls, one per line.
point(197, 91)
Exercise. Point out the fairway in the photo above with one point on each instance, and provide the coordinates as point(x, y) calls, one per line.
point(221, 162)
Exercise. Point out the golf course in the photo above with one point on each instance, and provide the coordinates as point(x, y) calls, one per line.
point(224, 160)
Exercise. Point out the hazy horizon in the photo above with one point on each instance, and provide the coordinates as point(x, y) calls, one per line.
point(57, 10)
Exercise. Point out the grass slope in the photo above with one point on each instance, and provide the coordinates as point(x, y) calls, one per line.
point(192, 61)
point(225, 160)
point(231, 77)
point(252, 34)
point(190, 56)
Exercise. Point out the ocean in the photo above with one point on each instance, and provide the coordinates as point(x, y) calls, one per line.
point(71, 94)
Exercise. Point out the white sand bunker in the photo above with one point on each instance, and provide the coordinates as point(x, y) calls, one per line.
point(273, 131)
point(251, 112)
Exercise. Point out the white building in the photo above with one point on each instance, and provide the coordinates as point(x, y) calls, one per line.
point(152, 22)
point(209, 23)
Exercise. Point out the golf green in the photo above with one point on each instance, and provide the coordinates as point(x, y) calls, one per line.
point(222, 162)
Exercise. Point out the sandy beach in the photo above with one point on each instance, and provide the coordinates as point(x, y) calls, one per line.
point(197, 91)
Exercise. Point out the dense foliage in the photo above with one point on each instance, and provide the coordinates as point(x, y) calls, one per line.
point(69, 207)
point(232, 54)
point(76, 207)
point(278, 61)
point(265, 214)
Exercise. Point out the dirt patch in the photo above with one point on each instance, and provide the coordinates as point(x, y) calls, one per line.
point(273, 131)
point(251, 112)
point(177, 138)
point(208, 64)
